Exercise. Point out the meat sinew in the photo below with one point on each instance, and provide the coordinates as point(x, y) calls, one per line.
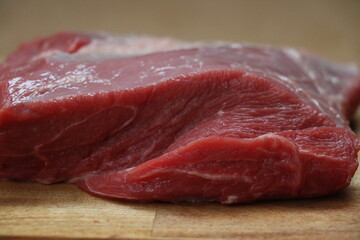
point(158, 119)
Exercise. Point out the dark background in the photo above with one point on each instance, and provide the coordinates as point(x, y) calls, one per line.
point(328, 27)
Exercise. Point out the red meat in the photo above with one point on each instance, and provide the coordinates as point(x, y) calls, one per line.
point(158, 119)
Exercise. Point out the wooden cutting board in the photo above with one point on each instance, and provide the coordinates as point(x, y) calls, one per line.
point(63, 212)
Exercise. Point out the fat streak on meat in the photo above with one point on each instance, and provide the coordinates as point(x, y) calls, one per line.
point(159, 119)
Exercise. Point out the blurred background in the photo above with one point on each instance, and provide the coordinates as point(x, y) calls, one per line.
point(328, 27)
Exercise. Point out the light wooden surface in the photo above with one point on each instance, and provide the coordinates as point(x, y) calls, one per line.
point(61, 211)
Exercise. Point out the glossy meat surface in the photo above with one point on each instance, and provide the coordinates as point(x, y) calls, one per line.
point(159, 119)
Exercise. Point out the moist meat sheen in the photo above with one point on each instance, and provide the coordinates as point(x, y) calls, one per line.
point(159, 119)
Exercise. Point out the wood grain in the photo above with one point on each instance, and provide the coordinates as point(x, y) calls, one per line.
point(337, 214)
point(61, 211)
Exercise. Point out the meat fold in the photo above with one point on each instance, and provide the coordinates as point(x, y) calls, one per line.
point(160, 119)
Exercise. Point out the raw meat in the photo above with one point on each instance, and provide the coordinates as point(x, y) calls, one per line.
point(158, 119)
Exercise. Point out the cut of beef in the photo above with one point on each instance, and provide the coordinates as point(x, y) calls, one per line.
point(159, 119)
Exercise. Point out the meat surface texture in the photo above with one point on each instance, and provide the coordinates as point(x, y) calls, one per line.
point(159, 119)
